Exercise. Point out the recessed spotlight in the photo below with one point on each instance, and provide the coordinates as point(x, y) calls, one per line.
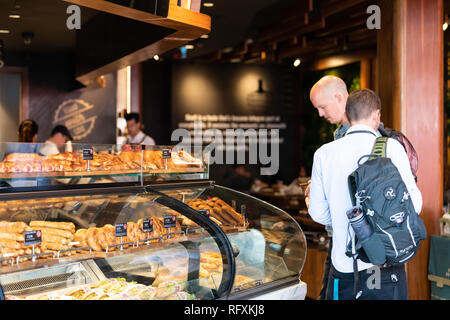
point(208, 4)
point(4, 31)
point(297, 62)
point(189, 46)
point(156, 57)
point(205, 36)
point(445, 26)
point(14, 16)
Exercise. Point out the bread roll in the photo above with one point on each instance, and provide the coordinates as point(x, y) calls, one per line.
point(15, 227)
point(56, 232)
point(92, 239)
point(69, 226)
point(12, 236)
point(22, 157)
point(10, 244)
point(80, 236)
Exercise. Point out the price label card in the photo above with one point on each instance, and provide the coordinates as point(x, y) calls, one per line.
point(147, 225)
point(121, 230)
point(166, 153)
point(88, 153)
point(204, 212)
point(170, 222)
point(33, 237)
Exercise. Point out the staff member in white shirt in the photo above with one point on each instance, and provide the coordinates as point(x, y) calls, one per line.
point(330, 197)
point(135, 134)
point(59, 136)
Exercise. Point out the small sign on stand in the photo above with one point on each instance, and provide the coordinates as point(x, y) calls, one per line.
point(88, 155)
point(31, 239)
point(147, 227)
point(169, 222)
point(166, 154)
point(121, 231)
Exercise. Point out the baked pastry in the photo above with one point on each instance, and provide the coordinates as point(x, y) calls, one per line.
point(69, 226)
point(91, 238)
point(22, 157)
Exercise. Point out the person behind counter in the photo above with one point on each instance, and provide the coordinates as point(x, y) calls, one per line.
point(59, 136)
point(27, 135)
point(28, 131)
point(135, 134)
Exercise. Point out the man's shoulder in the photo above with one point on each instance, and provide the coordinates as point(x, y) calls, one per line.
point(329, 147)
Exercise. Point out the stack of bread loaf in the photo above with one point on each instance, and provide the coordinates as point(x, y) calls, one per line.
point(102, 161)
point(56, 236)
point(219, 211)
point(12, 240)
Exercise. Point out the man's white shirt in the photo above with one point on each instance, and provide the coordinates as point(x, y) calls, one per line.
point(49, 148)
point(329, 194)
point(139, 139)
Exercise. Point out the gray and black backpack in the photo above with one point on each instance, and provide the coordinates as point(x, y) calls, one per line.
point(377, 189)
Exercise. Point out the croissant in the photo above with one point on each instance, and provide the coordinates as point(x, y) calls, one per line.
point(92, 239)
point(80, 236)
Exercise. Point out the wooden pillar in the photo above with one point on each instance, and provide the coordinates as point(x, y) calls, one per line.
point(410, 85)
point(366, 73)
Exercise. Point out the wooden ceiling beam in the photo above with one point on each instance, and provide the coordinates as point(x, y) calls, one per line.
point(339, 6)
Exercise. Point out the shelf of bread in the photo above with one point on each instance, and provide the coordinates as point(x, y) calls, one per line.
point(63, 242)
point(71, 164)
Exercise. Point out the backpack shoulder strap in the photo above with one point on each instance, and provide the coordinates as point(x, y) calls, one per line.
point(379, 148)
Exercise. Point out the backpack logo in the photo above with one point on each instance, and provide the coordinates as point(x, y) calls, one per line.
point(389, 193)
point(397, 218)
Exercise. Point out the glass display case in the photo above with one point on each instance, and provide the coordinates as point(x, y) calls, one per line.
point(163, 239)
point(24, 164)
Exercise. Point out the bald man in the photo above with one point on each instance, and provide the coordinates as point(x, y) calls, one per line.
point(329, 96)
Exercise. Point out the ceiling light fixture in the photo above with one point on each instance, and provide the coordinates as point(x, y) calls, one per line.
point(208, 4)
point(297, 62)
point(156, 57)
point(205, 36)
point(445, 25)
point(14, 16)
point(189, 46)
point(4, 31)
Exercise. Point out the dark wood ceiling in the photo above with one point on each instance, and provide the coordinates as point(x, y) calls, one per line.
point(305, 29)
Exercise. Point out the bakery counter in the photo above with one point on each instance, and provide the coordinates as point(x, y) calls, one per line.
point(178, 240)
point(23, 165)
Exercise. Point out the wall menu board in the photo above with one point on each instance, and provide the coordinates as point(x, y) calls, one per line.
point(238, 96)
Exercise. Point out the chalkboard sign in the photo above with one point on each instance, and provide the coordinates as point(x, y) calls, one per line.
point(170, 222)
point(33, 237)
point(147, 225)
point(166, 153)
point(88, 153)
point(121, 230)
point(204, 212)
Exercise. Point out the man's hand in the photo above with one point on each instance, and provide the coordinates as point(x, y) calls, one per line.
point(307, 193)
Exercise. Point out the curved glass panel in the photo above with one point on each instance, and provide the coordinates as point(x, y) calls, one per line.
point(269, 244)
point(125, 244)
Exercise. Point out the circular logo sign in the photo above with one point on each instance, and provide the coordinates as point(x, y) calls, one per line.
point(76, 115)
